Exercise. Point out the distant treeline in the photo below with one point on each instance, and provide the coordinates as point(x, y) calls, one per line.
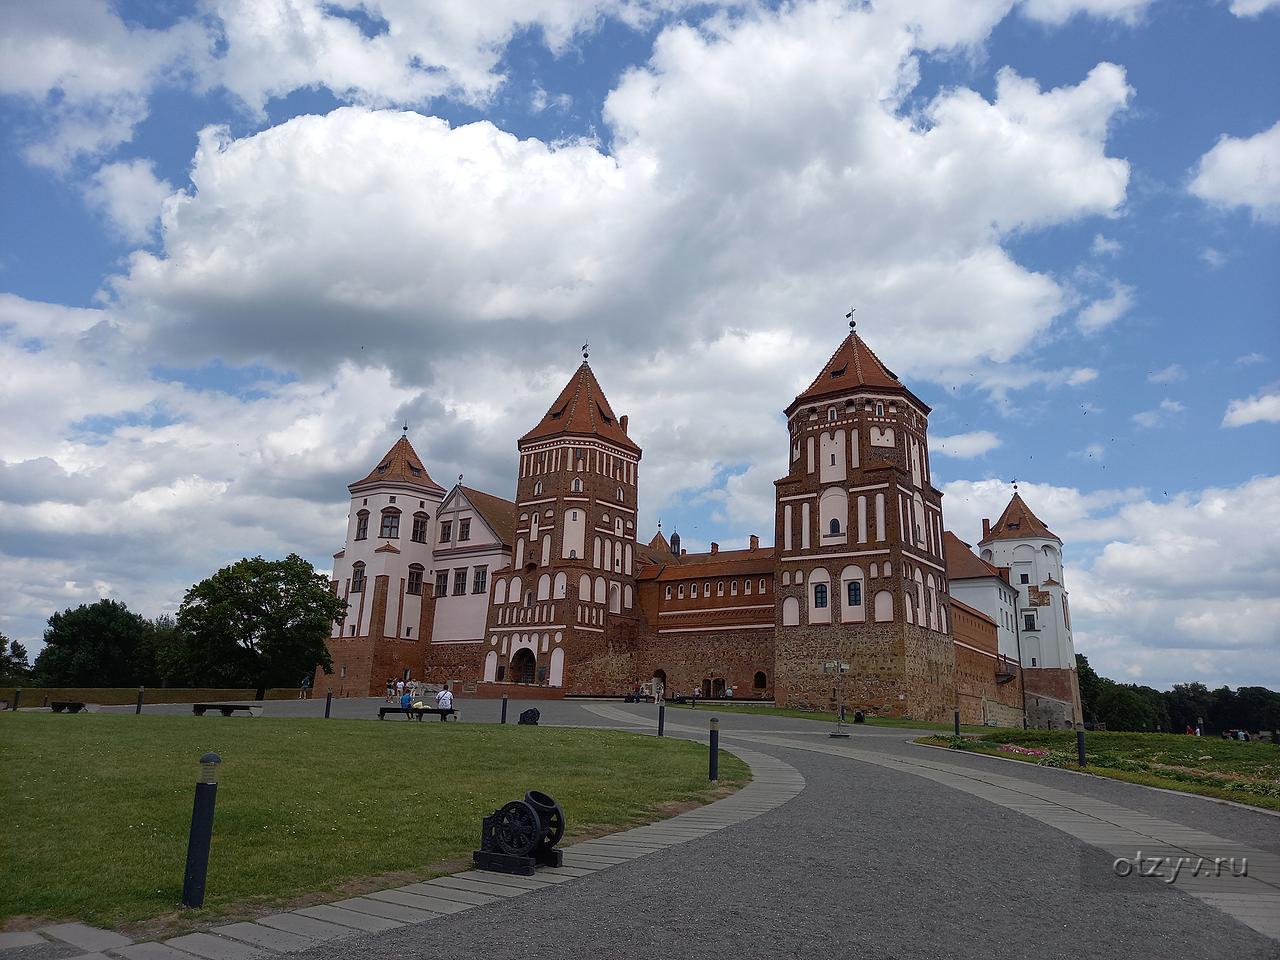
point(1131, 706)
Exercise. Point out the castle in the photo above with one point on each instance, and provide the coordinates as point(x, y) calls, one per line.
point(864, 599)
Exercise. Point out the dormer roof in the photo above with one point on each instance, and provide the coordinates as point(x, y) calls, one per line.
point(400, 466)
point(1017, 523)
point(854, 365)
point(582, 410)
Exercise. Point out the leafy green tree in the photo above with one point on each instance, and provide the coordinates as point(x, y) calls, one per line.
point(14, 666)
point(1091, 686)
point(1121, 707)
point(101, 644)
point(1188, 705)
point(257, 623)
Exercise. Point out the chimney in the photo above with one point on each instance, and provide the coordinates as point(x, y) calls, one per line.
point(986, 529)
point(715, 547)
point(622, 423)
point(755, 542)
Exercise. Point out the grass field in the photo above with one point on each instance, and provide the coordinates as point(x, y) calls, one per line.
point(1209, 766)
point(765, 710)
point(97, 807)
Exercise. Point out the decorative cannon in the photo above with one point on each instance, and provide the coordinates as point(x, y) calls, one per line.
point(521, 835)
point(529, 718)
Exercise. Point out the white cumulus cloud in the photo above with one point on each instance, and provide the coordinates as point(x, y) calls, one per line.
point(1262, 407)
point(1243, 172)
point(965, 446)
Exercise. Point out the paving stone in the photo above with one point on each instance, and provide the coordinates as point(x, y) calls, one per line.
point(350, 918)
point(476, 886)
point(9, 941)
point(151, 951)
point(214, 948)
point(453, 893)
point(305, 926)
point(505, 879)
point(392, 911)
point(84, 937)
point(410, 898)
point(279, 940)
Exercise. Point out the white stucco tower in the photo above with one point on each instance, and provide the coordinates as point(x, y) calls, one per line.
point(1020, 541)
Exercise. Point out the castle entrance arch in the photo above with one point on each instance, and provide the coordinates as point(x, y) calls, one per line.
point(523, 665)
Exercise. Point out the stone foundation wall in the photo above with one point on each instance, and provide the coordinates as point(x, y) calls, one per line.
point(689, 659)
point(1058, 684)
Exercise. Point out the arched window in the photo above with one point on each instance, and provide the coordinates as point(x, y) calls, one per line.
point(834, 526)
point(357, 577)
point(528, 598)
point(577, 484)
point(759, 681)
point(879, 409)
point(420, 521)
point(537, 489)
point(763, 582)
point(855, 593)
point(390, 529)
point(414, 584)
point(819, 595)
point(619, 494)
point(667, 594)
point(831, 413)
point(362, 525)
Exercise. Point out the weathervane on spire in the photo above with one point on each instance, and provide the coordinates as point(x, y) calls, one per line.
point(459, 479)
point(1015, 486)
point(853, 321)
point(586, 349)
point(406, 428)
point(659, 524)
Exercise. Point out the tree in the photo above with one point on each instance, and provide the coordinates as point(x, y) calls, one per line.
point(14, 665)
point(1188, 705)
point(1091, 686)
point(102, 644)
point(258, 623)
point(1121, 707)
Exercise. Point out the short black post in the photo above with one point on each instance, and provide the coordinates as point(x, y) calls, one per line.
point(328, 703)
point(504, 708)
point(662, 718)
point(198, 842)
point(1080, 746)
point(17, 697)
point(713, 773)
point(957, 723)
point(139, 707)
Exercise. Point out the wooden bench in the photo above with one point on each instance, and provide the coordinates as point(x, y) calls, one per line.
point(417, 713)
point(71, 706)
point(227, 708)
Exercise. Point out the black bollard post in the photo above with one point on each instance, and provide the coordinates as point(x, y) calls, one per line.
point(957, 723)
point(193, 880)
point(713, 773)
point(138, 709)
point(1080, 746)
point(504, 708)
point(328, 703)
point(662, 717)
point(17, 697)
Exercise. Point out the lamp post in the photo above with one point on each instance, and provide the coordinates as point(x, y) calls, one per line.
point(839, 668)
point(201, 836)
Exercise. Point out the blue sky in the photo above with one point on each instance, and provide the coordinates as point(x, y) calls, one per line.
point(237, 249)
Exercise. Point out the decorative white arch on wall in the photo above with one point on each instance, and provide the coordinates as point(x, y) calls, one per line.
point(615, 599)
point(819, 582)
point(791, 612)
point(519, 560)
point(500, 591)
point(545, 556)
point(491, 666)
point(884, 606)
point(851, 612)
point(599, 591)
point(544, 587)
point(833, 505)
point(561, 585)
point(555, 675)
point(628, 597)
point(514, 594)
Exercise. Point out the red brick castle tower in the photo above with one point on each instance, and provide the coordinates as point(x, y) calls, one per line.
point(860, 572)
point(565, 612)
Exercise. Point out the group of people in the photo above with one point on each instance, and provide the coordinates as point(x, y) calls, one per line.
point(398, 688)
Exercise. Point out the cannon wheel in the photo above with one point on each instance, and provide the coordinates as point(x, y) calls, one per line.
point(518, 830)
point(552, 814)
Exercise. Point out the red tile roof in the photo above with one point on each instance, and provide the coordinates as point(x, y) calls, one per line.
point(582, 410)
point(962, 562)
point(1018, 522)
point(401, 464)
point(498, 513)
point(723, 563)
point(852, 365)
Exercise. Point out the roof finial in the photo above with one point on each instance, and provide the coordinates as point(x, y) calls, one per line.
point(853, 321)
point(459, 479)
point(659, 524)
point(1015, 486)
point(406, 428)
point(585, 349)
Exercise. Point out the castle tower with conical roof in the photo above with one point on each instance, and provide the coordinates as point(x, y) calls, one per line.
point(382, 572)
point(565, 612)
point(860, 571)
point(1020, 541)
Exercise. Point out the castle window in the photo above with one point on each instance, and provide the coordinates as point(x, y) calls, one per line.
point(746, 587)
point(537, 489)
point(353, 633)
point(577, 484)
point(1023, 578)
point(758, 682)
point(362, 525)
point(480, 581)
point(733, 588)
point(573, 554)
point(408, 631)
point(819, 595)
point(619, 494)
point(720, 588)
point(667, 595)
point(460, 582)
point(357, 577)
point(855, 593)
point(706, 589)
point(414, 586)
point(831, 413)
point(1033, 661)
point(693, 591)
point(442, 583)
point(419, 533)
point(528, 598)
point(835, 524)
point(763, 581)
point(446, 531)
point(680, 592)
point(1028, 621)
point(879, 409)
point(464, 530)
point(573, 515)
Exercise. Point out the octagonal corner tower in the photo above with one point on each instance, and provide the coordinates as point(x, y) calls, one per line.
point(860, 571)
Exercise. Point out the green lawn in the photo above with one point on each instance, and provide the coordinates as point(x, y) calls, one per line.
point(1209, 766)
point(97, 807)
point(765, 710)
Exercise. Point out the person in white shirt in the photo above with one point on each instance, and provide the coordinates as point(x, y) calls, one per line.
point(444, 700)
